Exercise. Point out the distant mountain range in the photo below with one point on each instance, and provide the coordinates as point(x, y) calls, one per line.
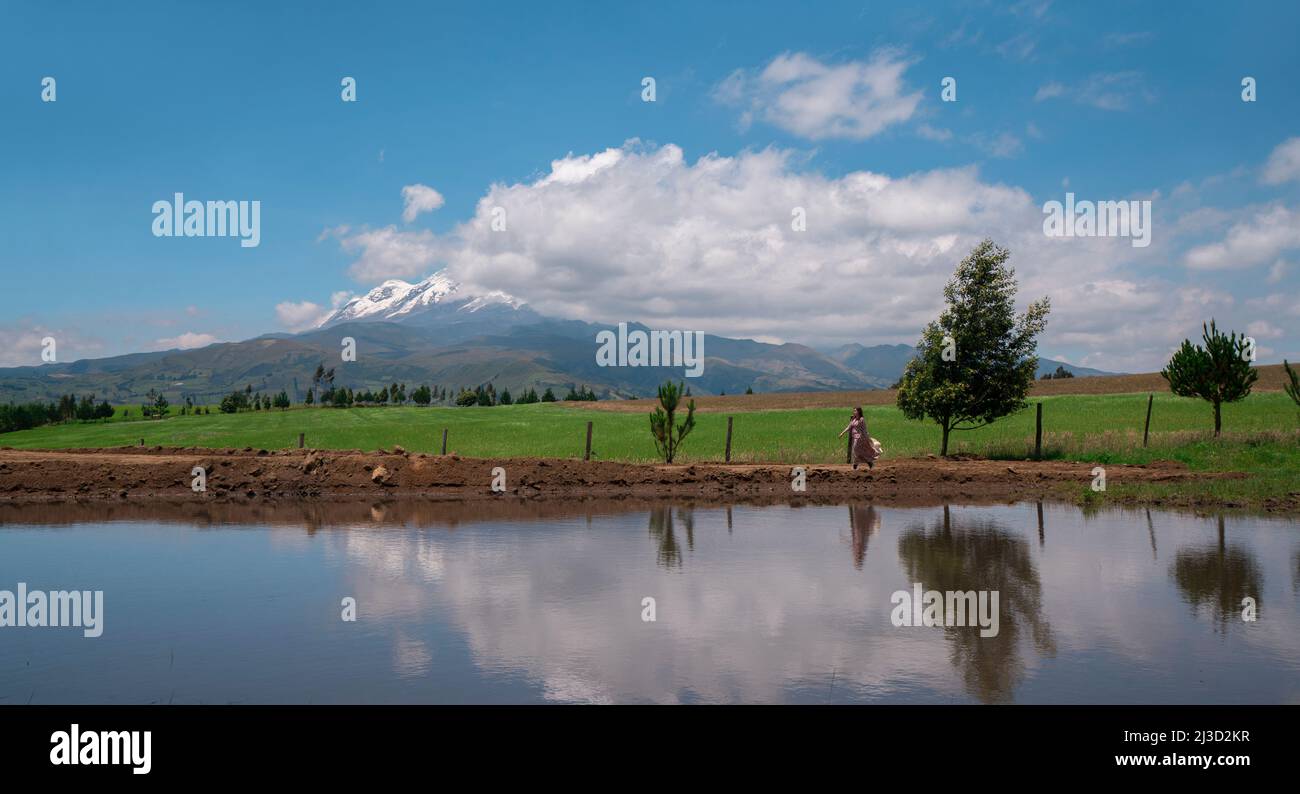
point(432, 333)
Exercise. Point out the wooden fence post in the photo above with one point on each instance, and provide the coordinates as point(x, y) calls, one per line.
point(587, 455)
point(1147, 428)
point(728, 458)
point(1038, 434)
point(444, 441)
point(301, 439)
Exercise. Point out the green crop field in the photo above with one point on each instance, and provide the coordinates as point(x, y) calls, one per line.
point(1106, 428)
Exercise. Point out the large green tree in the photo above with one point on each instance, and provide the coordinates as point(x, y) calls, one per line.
point(974, 364)
point(1220, 372)
point(1293, 388)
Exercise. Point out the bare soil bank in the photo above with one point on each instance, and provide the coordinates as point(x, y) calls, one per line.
point(156, 474)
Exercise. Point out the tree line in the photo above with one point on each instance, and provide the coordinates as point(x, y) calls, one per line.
point(23, 416)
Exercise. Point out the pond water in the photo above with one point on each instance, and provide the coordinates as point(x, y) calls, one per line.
point(519, 603)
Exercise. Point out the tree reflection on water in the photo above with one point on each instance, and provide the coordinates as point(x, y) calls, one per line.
point(958, 555)
point(1218, 577)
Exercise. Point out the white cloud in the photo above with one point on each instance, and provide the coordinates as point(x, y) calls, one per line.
point(1034, 8)
point(1126, 39)
point(1002, 146)
point(185, 341)
point(815, 100)
point(1049, 91)
point(305, 315)
point(1284, 163)
point(389, 253)
point(22, 342)
point(419, 198)
point(300, 316)
point(1020, 47)
point(1262, 329)
point(933, 133)
point(641, 233)
point(1105, 90)
point(1254, 241)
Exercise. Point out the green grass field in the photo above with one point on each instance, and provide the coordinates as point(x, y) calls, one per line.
point(1260, 437)
point(1103, 428)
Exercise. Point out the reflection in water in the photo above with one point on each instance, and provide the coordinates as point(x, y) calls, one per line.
point(1219, 577)
point(515, 601)
point(981, 555)
point(663, 530)
point(863, 523)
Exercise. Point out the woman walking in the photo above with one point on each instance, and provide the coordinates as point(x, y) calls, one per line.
point(865, 448)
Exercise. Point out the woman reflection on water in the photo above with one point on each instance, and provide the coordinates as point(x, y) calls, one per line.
point(865, 448)
point(863, 523)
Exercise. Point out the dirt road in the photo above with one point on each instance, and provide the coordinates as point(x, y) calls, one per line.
point(157, 474)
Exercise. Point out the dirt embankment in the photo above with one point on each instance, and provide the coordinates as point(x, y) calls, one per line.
point(1271, 378)
point(158, 474)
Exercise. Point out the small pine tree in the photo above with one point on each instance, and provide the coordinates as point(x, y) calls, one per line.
point(668, 437)
point(549, 396)
point(1219, 373)
point(1293, 388)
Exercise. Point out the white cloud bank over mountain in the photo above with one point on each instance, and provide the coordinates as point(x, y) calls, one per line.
point(186, 341)
point(641, 233)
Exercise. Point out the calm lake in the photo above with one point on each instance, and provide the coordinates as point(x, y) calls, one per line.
point(527, 603)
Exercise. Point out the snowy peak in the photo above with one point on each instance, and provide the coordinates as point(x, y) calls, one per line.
point(398, 301)
point(493, 298)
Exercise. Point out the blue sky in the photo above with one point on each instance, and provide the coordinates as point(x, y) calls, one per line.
point(512, 105)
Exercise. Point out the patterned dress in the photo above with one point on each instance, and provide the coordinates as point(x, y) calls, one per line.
point(863, 450)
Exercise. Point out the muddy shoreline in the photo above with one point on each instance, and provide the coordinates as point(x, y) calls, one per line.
point(163, 476)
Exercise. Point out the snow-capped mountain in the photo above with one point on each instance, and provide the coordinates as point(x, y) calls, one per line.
point(437, 300)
